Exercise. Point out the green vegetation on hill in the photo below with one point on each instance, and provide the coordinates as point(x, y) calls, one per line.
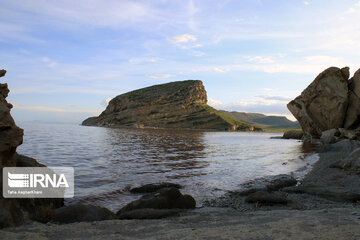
point(262, 121)
point(227, 118)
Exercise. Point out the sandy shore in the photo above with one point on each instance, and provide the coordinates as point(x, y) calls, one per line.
point(208, 223)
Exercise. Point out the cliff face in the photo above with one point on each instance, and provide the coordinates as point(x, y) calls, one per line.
point(331, 101)
point(14, 212)
point(11, 135)
point(179, 104)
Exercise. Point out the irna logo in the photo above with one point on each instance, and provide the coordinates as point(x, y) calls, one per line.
point(17, 180)
point(38, 182)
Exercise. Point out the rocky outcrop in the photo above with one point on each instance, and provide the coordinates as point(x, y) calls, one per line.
point(11, 135)
point(163, 199)
point(323, 105)
point(179, 104)
point(266, 198)
point(329, 108)
point(269, 183)
point(14, 212)
point(293, 134)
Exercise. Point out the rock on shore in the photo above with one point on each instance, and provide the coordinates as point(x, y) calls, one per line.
point(179, 104)
point(331, 101)
point(14, 212)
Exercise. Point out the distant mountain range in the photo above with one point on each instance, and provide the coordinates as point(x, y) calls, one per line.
point(262, 121)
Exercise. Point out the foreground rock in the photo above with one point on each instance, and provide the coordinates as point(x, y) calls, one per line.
point(270, 183)
point(81, 213)
point(293, 134)
point(166, 198)
point(324, 104)
point(173, 105)
point(148, 213)
point(14, 212)
point(263, 197)
point(336, 174)
point(153, 187)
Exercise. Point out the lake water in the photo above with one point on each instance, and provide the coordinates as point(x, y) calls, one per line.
point(109, 161)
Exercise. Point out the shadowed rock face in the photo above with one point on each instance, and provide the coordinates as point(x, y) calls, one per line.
point(11, 135)
point(331, 101)
point(173, 105)
point(14, 212)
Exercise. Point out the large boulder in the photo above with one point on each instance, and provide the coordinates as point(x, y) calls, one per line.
point(323, 104)
point(166, 198)
point(352, 118)
point(293, 134)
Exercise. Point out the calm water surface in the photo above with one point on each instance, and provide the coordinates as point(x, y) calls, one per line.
point(109, 161)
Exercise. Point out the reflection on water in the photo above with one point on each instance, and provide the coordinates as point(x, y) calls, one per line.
point(109, 161)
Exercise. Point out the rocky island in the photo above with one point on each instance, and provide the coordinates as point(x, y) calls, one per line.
point(176, 105)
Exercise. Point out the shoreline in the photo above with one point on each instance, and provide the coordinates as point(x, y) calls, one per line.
point(306, 216)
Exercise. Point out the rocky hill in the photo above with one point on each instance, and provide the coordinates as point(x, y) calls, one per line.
point(263, 121)
point(177, 105)
point(330, 102)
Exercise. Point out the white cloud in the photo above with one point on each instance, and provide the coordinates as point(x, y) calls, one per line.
point(48, 62)
point(145, 60)
point(183, 38)
point(214, 103)
point(260, 59)
point(105, 102)
point(306, 3)
point(220, 70)
point(322, 59)
point(161, 76)
point(51, 109)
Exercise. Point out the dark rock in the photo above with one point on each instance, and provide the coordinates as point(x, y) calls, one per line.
point(166, 198)
point(148, 213)
point(2, 72)
point(25, 161)
point(335, 176)
point(330, 136)
point(266, 198)
point(280, 181)
point(269, 183)
point(82, 213)
point(14, 212)
point(153, 187)
point(293, 134)
point(276, 137)
point(10, 213)
point(352, 118)
point(350, 163)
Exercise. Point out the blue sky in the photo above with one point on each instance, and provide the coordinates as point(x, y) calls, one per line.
point(66, 59)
